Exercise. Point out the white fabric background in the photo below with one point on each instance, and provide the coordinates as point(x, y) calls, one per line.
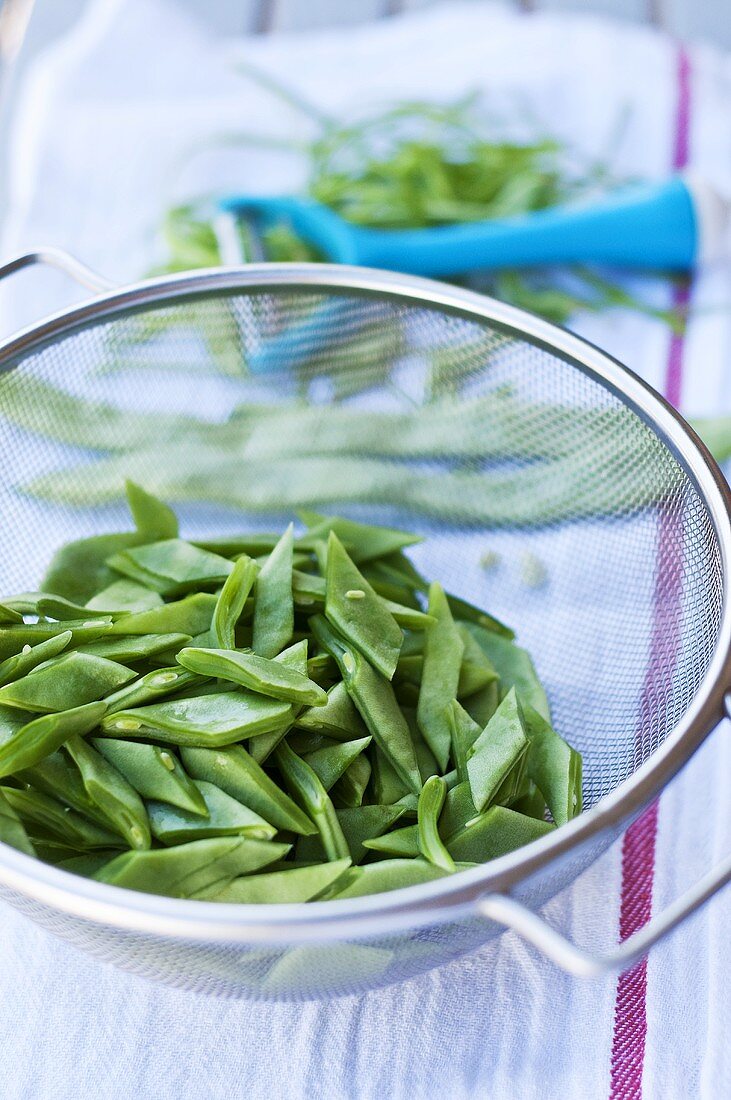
point(100, 136)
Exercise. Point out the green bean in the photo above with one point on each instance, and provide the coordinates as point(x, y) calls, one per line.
point(358, 612)
point(153, 519)
point(338, 718)
point(388, 786)
point(294, 657)
point(13, 668)
point(350, 789)
point(171, 567)
point(9, 615)
point(409, 669)
point(330, 763)
point(365, 541)
point(57, 776)
point(88, 863)
point(42, 736)
point(374, 697)
point(403, 842)
point(430, 805)
point(231, 600)
point(274, 608)
point(464, 732)
point(322, 669)
point(79, 570)
point(13, 639)
point(458, 810)
point(225, 816)
point(554, 767)
point(154, 773)
point(410, 618)
point(299, 884)
point(266, 677)
point(152, 686)
point(191, 615)
point(185, 870)
point(495, 833)
point(443, 650)
point(12, 830)
point(308, 591)
point(125, 595)
point(305, 786)
point(386, 875)
point(206, 721)
point(468, 613)
point(482, 705)
point(65, 683)
point(236, 772)
point(501, 749)
point(111, 792)
point(531, 803)
point(358, 825)
point(477, 670)
point(514, 667)
point(71, 828)
point(251, 544)
point(136, 647)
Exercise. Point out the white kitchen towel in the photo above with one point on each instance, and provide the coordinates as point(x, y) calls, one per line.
point(103, 135)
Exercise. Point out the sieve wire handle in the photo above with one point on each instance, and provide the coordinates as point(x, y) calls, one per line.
point(62, 261)
point(575, 960)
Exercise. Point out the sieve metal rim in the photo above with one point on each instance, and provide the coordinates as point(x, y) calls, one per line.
point(449, 898)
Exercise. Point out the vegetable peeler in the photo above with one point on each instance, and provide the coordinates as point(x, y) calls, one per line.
point(672, 226)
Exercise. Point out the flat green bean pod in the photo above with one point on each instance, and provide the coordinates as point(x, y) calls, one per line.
point(155, 773)
point(41, 736)
point(109, 790)
point(256, 673)
point(443, 650)
point(206, 721)
point(285, 887)
point(13, 668)
point(64, 683)
point(231, 601)
point(225, 816)
point(430, 805)
point(274, 608)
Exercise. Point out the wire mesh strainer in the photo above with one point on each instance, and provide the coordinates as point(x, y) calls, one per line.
point(477, 425)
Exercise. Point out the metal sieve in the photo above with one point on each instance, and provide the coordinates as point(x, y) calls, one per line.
point(499, 433)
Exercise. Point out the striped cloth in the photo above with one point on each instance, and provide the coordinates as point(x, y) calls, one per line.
point(100, 131)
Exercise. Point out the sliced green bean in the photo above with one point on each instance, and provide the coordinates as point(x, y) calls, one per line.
point(231, 600)
point(387, 785)
point(9, 615)
point(554, 767)
point(514, 667)
point(225, 816)
point(338, 719)
point(153, 519)
point(349, 791)
point(154, 773)
point(111, 792)
point(305, 786)
point(57, 776)
point(13, 668)
point(477, 670)
point(125, 595)
point(294, 657)
point(266, 677)
point(458, 810)
point(64, 683)
point(386, 875)
point(443, 650)
point(403, 842)
point(464, 732)
point(330, 763)
point(185, 870)
point(13, 639)
point(365, 541)
point(171, 567)
point(42, 736)
point(88, 863)
point(57, 607)
point(191, 615)
point(79, 570)
point(358, 825)
point(430, 805)
point(152, 686)
point(236, 772)
point(495, 833)
point(38, 809)
point(501, 748)
point(375, 699)
point(274, 608)
point(206, 721)
point(359, 613)
point(12, 830)
point(284, 887)
point(136, 648)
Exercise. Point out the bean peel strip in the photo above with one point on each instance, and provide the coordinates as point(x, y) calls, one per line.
point(261, 719)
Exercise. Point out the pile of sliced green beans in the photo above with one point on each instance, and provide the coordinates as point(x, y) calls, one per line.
point(267, 718)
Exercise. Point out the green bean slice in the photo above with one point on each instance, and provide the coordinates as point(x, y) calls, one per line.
point(331, 762)
point(71, 828)
point(443, 649)
point(458, 810)
point(231, 600)
point(349, 791)
point(236, 772)
point(365, 541)
point(152, 517)
point(374, 697)
point(205, 721)
point(111, 792)
point(266, 677)
point(496, 832)
point(42, 736)
point(191, 615)
point(464, 732)
point(125, 595)
point(274, 607)
point(482, 705)
point(359, 613)
point(151, 686)
point(13, 639)
point(501, 748)
point(386, 875)
point(338, 719)
point(477, 670)
point(294, 657)
point(13, 668)
point(305, 786)
point(64, 683)
point(12, 830)
point(358, 825)
point(554, 767)
point(225, 816)
point(403, 842)
point(154, 773)
point(514, 667)
point(57, 776)
point(187, 869)
point(9, 615)
point(79, 569)
point(171, 567)
point(430, 805)
point(283, 887)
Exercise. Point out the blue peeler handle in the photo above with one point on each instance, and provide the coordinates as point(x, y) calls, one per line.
point(642, 226)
